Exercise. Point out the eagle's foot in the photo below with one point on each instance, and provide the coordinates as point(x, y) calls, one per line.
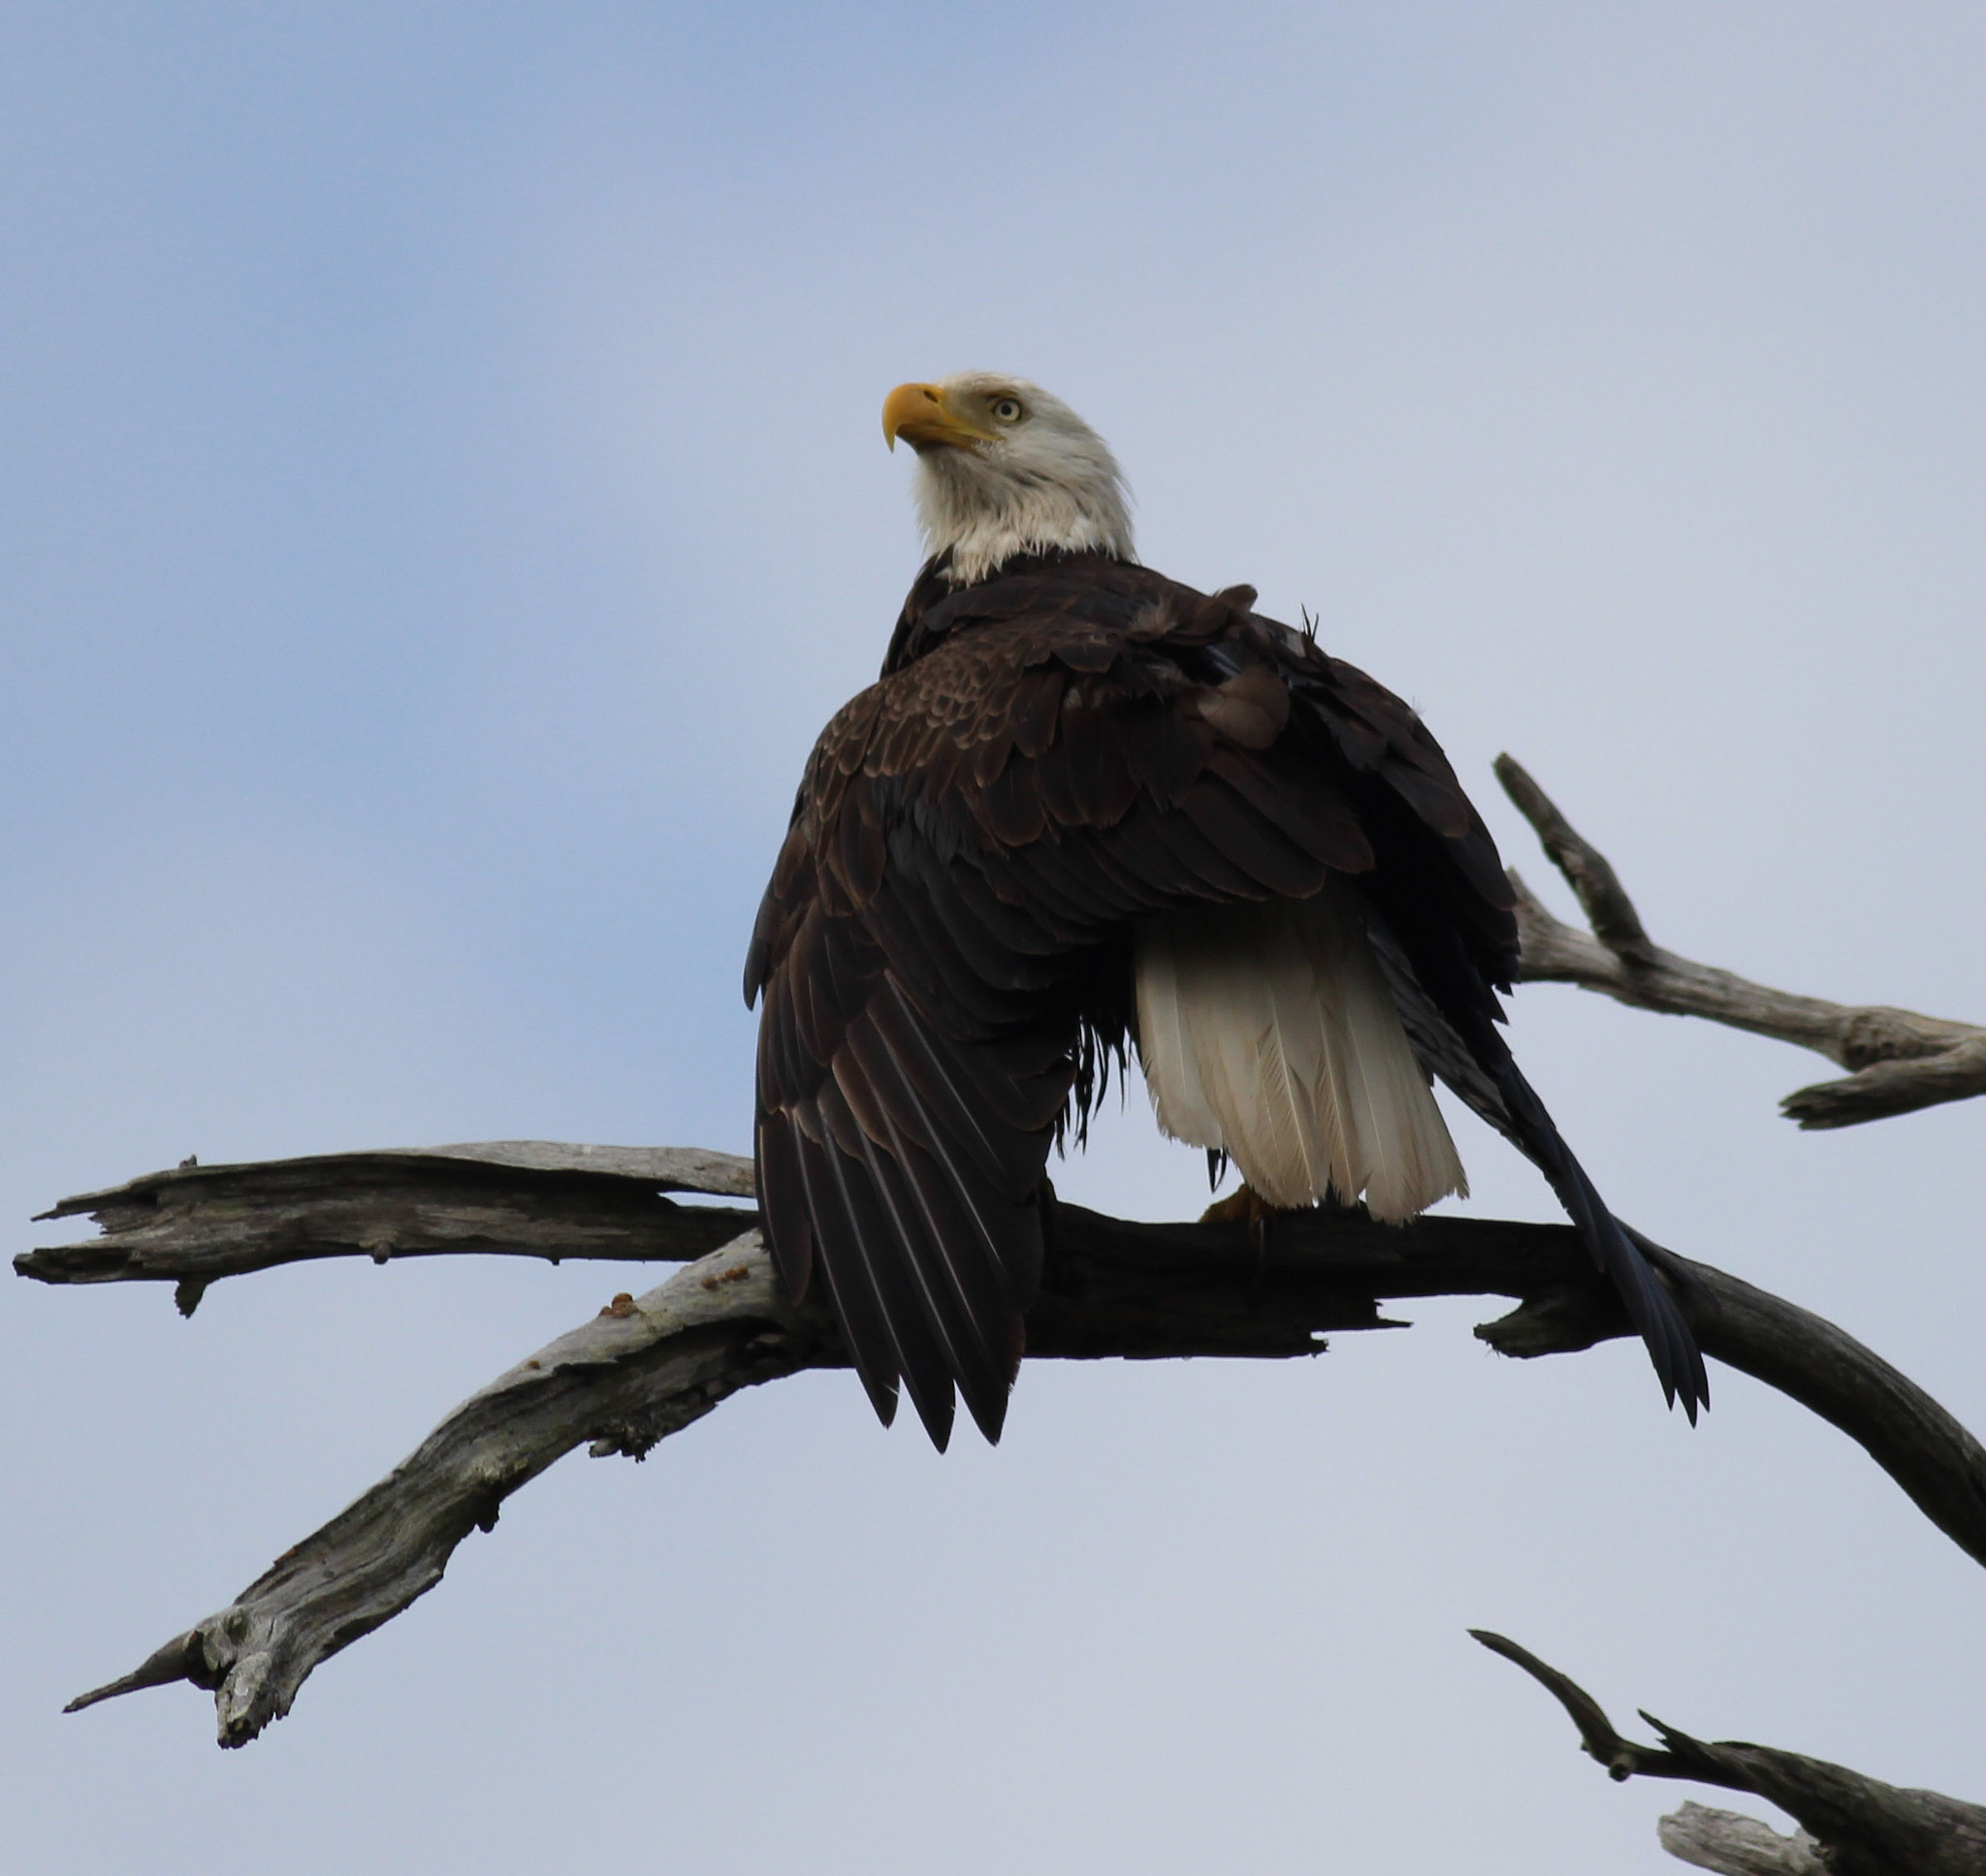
point(1247, 1206)
point(1243, 1206)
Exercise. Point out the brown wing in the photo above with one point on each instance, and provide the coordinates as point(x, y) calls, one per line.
point(1067, 747)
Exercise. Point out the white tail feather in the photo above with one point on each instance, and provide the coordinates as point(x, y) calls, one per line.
point(1269, 1031)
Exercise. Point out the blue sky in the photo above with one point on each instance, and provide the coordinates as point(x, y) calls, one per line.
point(441, 499)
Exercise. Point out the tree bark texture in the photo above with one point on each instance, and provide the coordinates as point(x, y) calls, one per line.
point(1735, 1845)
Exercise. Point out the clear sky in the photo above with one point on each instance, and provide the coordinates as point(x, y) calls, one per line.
point(442, 496)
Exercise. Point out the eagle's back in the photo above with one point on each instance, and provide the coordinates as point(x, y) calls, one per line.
point(1057, 759)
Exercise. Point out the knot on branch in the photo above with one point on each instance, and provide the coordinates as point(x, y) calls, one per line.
point(1881, 1034)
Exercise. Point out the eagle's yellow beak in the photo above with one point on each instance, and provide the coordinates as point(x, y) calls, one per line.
point(921, 415)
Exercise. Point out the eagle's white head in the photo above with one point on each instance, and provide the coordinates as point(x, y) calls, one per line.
point(1004, 468)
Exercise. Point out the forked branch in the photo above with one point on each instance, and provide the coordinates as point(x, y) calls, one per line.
point(648, 1366)
point(1851, 1824)
point(1901, 1061)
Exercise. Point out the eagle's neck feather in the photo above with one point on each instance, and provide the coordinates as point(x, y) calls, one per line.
point(991, 507)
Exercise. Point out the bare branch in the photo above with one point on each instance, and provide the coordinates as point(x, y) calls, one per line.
point(522, 1198)
point(1806, 1357)
point(1901, 1061)
point(1859, 1826)
point(640, 1370)
point(1588, 871)
point(1736, 1845)
point(1112, 1288)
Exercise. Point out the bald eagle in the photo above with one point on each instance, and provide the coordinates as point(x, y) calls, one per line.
point(1086, 807)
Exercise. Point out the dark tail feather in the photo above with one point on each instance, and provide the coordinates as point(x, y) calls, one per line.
point(1467, 1051)
point(1672, 1348)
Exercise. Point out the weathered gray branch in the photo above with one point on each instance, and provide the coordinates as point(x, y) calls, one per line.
point(1901, 1061)
point(641, 1369)
point(1856, 1825)
point(1737, 1845)
point(520, 1198)
point(1112, 1288)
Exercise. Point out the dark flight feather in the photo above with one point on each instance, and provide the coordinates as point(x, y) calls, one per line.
point(1065, 747)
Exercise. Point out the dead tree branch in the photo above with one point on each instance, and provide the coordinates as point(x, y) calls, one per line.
point(519, 1198)
point(640, 1370)
point(647, 1367)
point(1855, 1826)
point(1900, 1060)
point(1737, 1845)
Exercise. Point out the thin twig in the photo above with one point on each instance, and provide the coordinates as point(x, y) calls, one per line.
point(1901, 1061)
point(1588, 871)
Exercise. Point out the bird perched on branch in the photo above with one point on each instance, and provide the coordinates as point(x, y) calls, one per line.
point(1086, 807)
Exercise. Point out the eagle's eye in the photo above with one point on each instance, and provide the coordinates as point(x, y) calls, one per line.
point(1007, 410)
